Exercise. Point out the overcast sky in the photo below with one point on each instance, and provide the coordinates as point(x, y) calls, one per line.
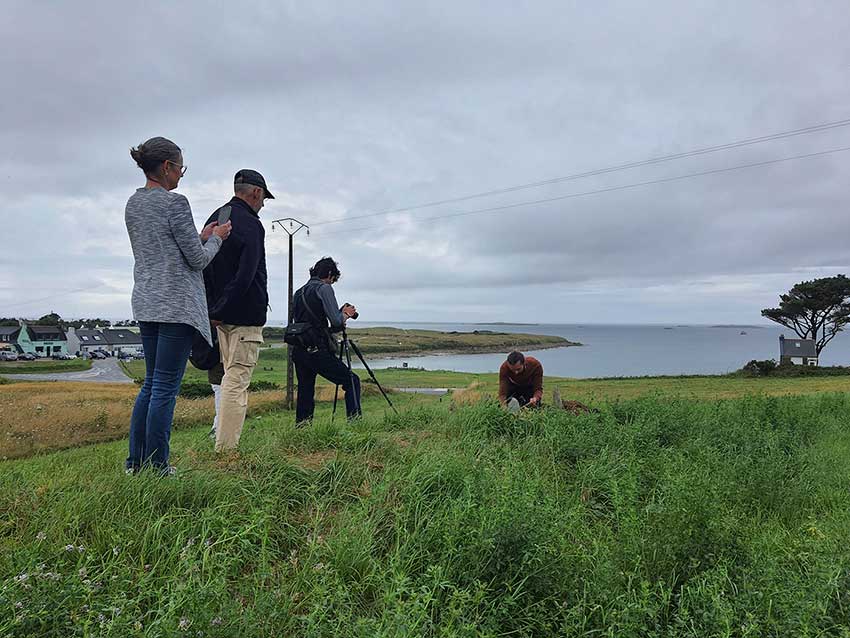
point(355, 108)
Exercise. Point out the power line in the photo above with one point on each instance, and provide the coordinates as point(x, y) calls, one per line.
point(61, 294)
point(610, 189)
point(817, 128)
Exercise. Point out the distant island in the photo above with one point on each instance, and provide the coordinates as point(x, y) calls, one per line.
point(397, 342)
point(501, 323)
point(738, 326)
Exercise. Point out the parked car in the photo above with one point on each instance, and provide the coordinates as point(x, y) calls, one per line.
point(138, 355)
point(105, 353)
point(95, 354)
point(8, 356)
point(27, 356)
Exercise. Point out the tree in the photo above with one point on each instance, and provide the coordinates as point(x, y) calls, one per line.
point(816, 309)
point(51, 319)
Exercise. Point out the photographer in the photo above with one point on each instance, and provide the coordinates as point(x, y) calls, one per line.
point(315, 303)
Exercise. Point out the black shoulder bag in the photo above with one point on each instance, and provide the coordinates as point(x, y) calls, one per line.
point(305, 334)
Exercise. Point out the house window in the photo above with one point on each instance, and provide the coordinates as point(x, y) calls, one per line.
point(96, 338)
point(797, 344)
point(85, 338)
point(39, 349)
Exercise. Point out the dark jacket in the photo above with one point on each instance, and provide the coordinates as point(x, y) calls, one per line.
point(236, 280)
point(315, 303)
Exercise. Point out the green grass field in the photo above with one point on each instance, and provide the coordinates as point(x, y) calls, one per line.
point(43, 366)
point(659, 516)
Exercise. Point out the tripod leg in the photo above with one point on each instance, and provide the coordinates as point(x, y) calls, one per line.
point(351, 373)
point(371, 374)
point(336, 390)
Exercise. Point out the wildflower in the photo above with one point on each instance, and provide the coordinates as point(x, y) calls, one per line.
point(40, 536)
point(84, 609)
point(22, 577)
point(215, 622)
point(81, 549)
point(318, 567)
point(83, 573)
point(69, 548)
point(115, 551)
point(208, 542)
point(137, 625)
point(19, 605)
point(101, 618)
point(184, 623)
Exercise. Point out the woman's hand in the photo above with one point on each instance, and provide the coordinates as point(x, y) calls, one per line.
point(213, 228)
point(206, 233)
point(222, 231)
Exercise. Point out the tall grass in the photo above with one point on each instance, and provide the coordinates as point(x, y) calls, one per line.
point(653, 518)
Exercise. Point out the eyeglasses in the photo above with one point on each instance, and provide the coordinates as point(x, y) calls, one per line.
point(182, 167)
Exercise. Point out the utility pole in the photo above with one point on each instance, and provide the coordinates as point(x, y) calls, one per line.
point(291, 229)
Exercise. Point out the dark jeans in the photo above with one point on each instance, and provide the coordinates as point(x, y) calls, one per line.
point(324, 363)
point(521, 394)
point(167, 347)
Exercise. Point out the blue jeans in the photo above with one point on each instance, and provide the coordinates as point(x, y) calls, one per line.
point(167, 347)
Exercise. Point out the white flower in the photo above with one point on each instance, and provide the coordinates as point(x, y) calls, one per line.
point(81, 549)
point(19, 605)
point(215, 622)
point(83, 573)
point(137, 625)
point(184, 623)
point(115, 551)
point(40, 536)
point(69, 548)
point(22, 577)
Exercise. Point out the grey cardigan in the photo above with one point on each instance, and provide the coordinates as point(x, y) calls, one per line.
point(168, 285)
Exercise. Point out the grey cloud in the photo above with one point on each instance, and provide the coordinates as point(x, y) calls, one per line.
point(352, 111)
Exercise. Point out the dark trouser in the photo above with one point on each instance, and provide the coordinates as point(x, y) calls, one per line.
point(523, 394)
point(324, 363)
point(167, 347)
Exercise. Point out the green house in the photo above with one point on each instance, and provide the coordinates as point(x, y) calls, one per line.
point(42, 340)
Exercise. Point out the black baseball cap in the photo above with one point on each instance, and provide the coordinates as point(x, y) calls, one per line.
point(247, 176)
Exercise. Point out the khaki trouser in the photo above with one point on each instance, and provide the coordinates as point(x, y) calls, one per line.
point(240, 347)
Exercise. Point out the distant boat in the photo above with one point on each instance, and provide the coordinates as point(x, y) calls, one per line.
point(743, 332)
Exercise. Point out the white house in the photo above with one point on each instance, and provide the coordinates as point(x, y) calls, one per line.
point(798, 351)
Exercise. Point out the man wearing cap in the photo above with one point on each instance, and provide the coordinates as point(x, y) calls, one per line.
point(237, 298)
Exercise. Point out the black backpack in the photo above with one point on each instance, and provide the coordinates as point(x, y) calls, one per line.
point(205, 356)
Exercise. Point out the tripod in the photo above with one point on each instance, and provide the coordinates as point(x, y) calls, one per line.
point(345, 347)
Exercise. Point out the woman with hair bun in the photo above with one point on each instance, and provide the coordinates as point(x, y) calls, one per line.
point(168, 300)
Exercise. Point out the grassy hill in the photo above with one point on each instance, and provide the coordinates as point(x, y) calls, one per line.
point(660, 516)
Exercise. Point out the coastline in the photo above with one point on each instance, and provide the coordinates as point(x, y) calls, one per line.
point(471, 350)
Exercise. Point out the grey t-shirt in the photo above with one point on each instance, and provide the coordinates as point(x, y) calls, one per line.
point(168, 286)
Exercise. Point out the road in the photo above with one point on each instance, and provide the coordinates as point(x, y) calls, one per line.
point(101, 371)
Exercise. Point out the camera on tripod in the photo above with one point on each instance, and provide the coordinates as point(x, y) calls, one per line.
point(346, 305)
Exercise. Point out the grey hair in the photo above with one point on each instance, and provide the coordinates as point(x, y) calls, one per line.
point(151, 154)
point(244, 188)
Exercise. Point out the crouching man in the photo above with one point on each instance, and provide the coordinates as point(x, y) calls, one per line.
point(520, 382)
